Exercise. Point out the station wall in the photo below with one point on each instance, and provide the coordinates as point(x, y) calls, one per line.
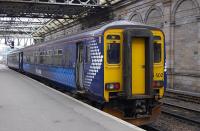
point(180, 20)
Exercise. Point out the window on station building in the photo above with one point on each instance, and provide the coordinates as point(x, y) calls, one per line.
point(113, 53)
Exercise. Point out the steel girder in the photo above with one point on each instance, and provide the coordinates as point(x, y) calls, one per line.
point(47, 8)
point(62, 23)
point(15, 26)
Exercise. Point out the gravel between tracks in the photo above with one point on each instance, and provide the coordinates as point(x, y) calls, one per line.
point(169, 123)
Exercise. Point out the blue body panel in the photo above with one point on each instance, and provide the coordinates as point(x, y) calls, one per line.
point(93, 75)
point(65, 76)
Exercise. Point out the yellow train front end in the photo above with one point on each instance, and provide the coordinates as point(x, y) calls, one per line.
point(133, 73)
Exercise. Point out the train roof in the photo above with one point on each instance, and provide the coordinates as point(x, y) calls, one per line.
point(118, 24)
point(98, 30)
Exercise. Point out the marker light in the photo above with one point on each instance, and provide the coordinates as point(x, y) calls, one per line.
point(112, 86)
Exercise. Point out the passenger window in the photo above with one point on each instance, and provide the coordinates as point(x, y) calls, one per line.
point(49, 57)
point(87, 54)
point(55, 52)
point(38, 57)
point(60, 52)
point(58, 57)
point(157, 53)
point(41, 57)
point(113, 53)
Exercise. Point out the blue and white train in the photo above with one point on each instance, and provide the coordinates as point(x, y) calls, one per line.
point(119, 66)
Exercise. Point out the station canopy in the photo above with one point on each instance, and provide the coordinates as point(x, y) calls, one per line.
point(22, 21)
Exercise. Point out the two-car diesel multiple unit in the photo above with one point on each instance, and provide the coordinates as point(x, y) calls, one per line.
point(120, 66)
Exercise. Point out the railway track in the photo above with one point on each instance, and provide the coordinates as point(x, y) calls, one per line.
point(183, 95)
point(182, 113)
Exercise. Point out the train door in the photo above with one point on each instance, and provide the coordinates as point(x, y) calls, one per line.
point(79, 66)
point(138, 66)
point(21, 61)
point(138, 62)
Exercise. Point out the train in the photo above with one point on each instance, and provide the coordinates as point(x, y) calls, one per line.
point(119, 65)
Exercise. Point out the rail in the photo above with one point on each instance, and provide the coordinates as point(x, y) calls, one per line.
point(183, 95)
point(181, 112)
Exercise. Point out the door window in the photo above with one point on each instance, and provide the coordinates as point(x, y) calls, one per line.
point(80, 57)
point(87, 54)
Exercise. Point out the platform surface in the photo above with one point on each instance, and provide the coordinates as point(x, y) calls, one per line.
point(27, 105)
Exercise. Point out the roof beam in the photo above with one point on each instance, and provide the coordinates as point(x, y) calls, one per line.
point(33, 9)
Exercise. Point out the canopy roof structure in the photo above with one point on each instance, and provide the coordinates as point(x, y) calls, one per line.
point(19, 29)
point(23, 19)
point(46, 8)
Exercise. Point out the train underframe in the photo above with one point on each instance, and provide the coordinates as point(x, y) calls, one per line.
point(135, 111)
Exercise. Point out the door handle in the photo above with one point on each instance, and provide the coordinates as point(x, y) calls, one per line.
point(143, 66)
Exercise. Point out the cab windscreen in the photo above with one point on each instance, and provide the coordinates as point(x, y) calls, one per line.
point(113, 53)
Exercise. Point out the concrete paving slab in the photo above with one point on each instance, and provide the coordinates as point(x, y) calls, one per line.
point(27, 105)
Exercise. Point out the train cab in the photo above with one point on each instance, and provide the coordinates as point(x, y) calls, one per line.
point(134, 72)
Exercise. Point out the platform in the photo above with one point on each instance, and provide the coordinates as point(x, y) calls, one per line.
point(27, 105)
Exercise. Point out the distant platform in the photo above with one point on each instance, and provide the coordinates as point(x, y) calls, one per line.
point(27, 105)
